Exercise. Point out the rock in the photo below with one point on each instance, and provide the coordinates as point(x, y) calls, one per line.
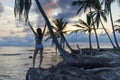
point(98, 67)
point(61, 73)
point(30, 57)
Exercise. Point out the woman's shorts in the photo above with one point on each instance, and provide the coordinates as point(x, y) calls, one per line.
point(39, 46)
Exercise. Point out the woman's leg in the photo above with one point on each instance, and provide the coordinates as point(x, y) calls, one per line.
point(41, 56)
point(34, 56)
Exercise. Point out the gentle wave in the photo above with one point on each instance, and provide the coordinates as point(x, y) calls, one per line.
point(10, 54)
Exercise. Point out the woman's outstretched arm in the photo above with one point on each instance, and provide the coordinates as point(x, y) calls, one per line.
point(31, 28)
point(44, 28)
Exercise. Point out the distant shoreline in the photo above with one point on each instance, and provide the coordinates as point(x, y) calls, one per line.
point(82, 45)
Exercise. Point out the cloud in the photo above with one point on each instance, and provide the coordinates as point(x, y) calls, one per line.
point(17, 40)
point(83, 38)
point(57, 8)
point(67, 11)
point(79, 38)
point(1, 8)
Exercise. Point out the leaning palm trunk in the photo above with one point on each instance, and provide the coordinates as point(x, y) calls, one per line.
point(67, 43)
point(113, 30)
point(62, 51)
point(107, 34)
point(68, 57)
point(98, 46)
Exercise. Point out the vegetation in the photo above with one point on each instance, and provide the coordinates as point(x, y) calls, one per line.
point(88, 4)
point(85, 27)
point(107, 4)
point(59, 30)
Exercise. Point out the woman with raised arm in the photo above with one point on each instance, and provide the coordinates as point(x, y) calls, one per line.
point(38, 43)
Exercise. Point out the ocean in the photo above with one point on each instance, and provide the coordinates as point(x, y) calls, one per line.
point(15, 61)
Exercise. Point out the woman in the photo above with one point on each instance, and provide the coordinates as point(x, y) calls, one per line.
point(38, 44)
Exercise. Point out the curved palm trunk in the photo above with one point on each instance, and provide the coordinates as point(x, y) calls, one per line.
point(113, 30)
point(56, 49)
point(67, 43)
point(63, 53)
point(63, 44)
point(107, 34)
point(98, 46)
point(90, 44)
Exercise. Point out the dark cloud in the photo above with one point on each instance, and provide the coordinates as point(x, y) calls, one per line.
point(68, 11)
point(50, 6)
point(1, 8)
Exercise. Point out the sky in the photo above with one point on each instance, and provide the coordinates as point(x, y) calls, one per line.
point(15, 33)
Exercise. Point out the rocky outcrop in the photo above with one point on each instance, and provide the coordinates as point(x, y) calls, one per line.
point(99, 67)
point(73, 73)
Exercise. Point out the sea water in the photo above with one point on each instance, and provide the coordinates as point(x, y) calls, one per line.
point(15, 61)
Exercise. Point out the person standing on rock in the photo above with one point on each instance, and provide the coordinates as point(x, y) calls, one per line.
point(38, 43)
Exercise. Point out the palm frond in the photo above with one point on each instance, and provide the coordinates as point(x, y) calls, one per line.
point(48, 38)
point(88, 18)
point(75, 31)
point(82, 22)
point(79, 26)
point(79, 9)
point(118, 29)
point(116, 26)
point(103, 15)
point(22, 6)
point(27, 8)
point(47, 33)
point(18, 7)
point(118, 21)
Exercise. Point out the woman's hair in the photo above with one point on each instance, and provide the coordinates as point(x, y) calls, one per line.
point(39, 31)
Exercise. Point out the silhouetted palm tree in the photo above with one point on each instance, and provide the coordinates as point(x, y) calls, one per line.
point(85, 26)
point(108, 9)
point(59, 30)
point(98, 15)
point(84, 5)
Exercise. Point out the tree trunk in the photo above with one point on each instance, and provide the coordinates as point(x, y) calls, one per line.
point(90, 40)
point(98, 46)
point(113, 30)
point(62, 51)
point(107, 34)
point(67, 43)
point(56, 49)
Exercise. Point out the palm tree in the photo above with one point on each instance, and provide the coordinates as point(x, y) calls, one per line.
point(24, 5)
point(100, 14)
point(61, 25)
point(85, 27)
point(108, 9)
point(59, 30)
point(55, 29)
point(84, 5)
